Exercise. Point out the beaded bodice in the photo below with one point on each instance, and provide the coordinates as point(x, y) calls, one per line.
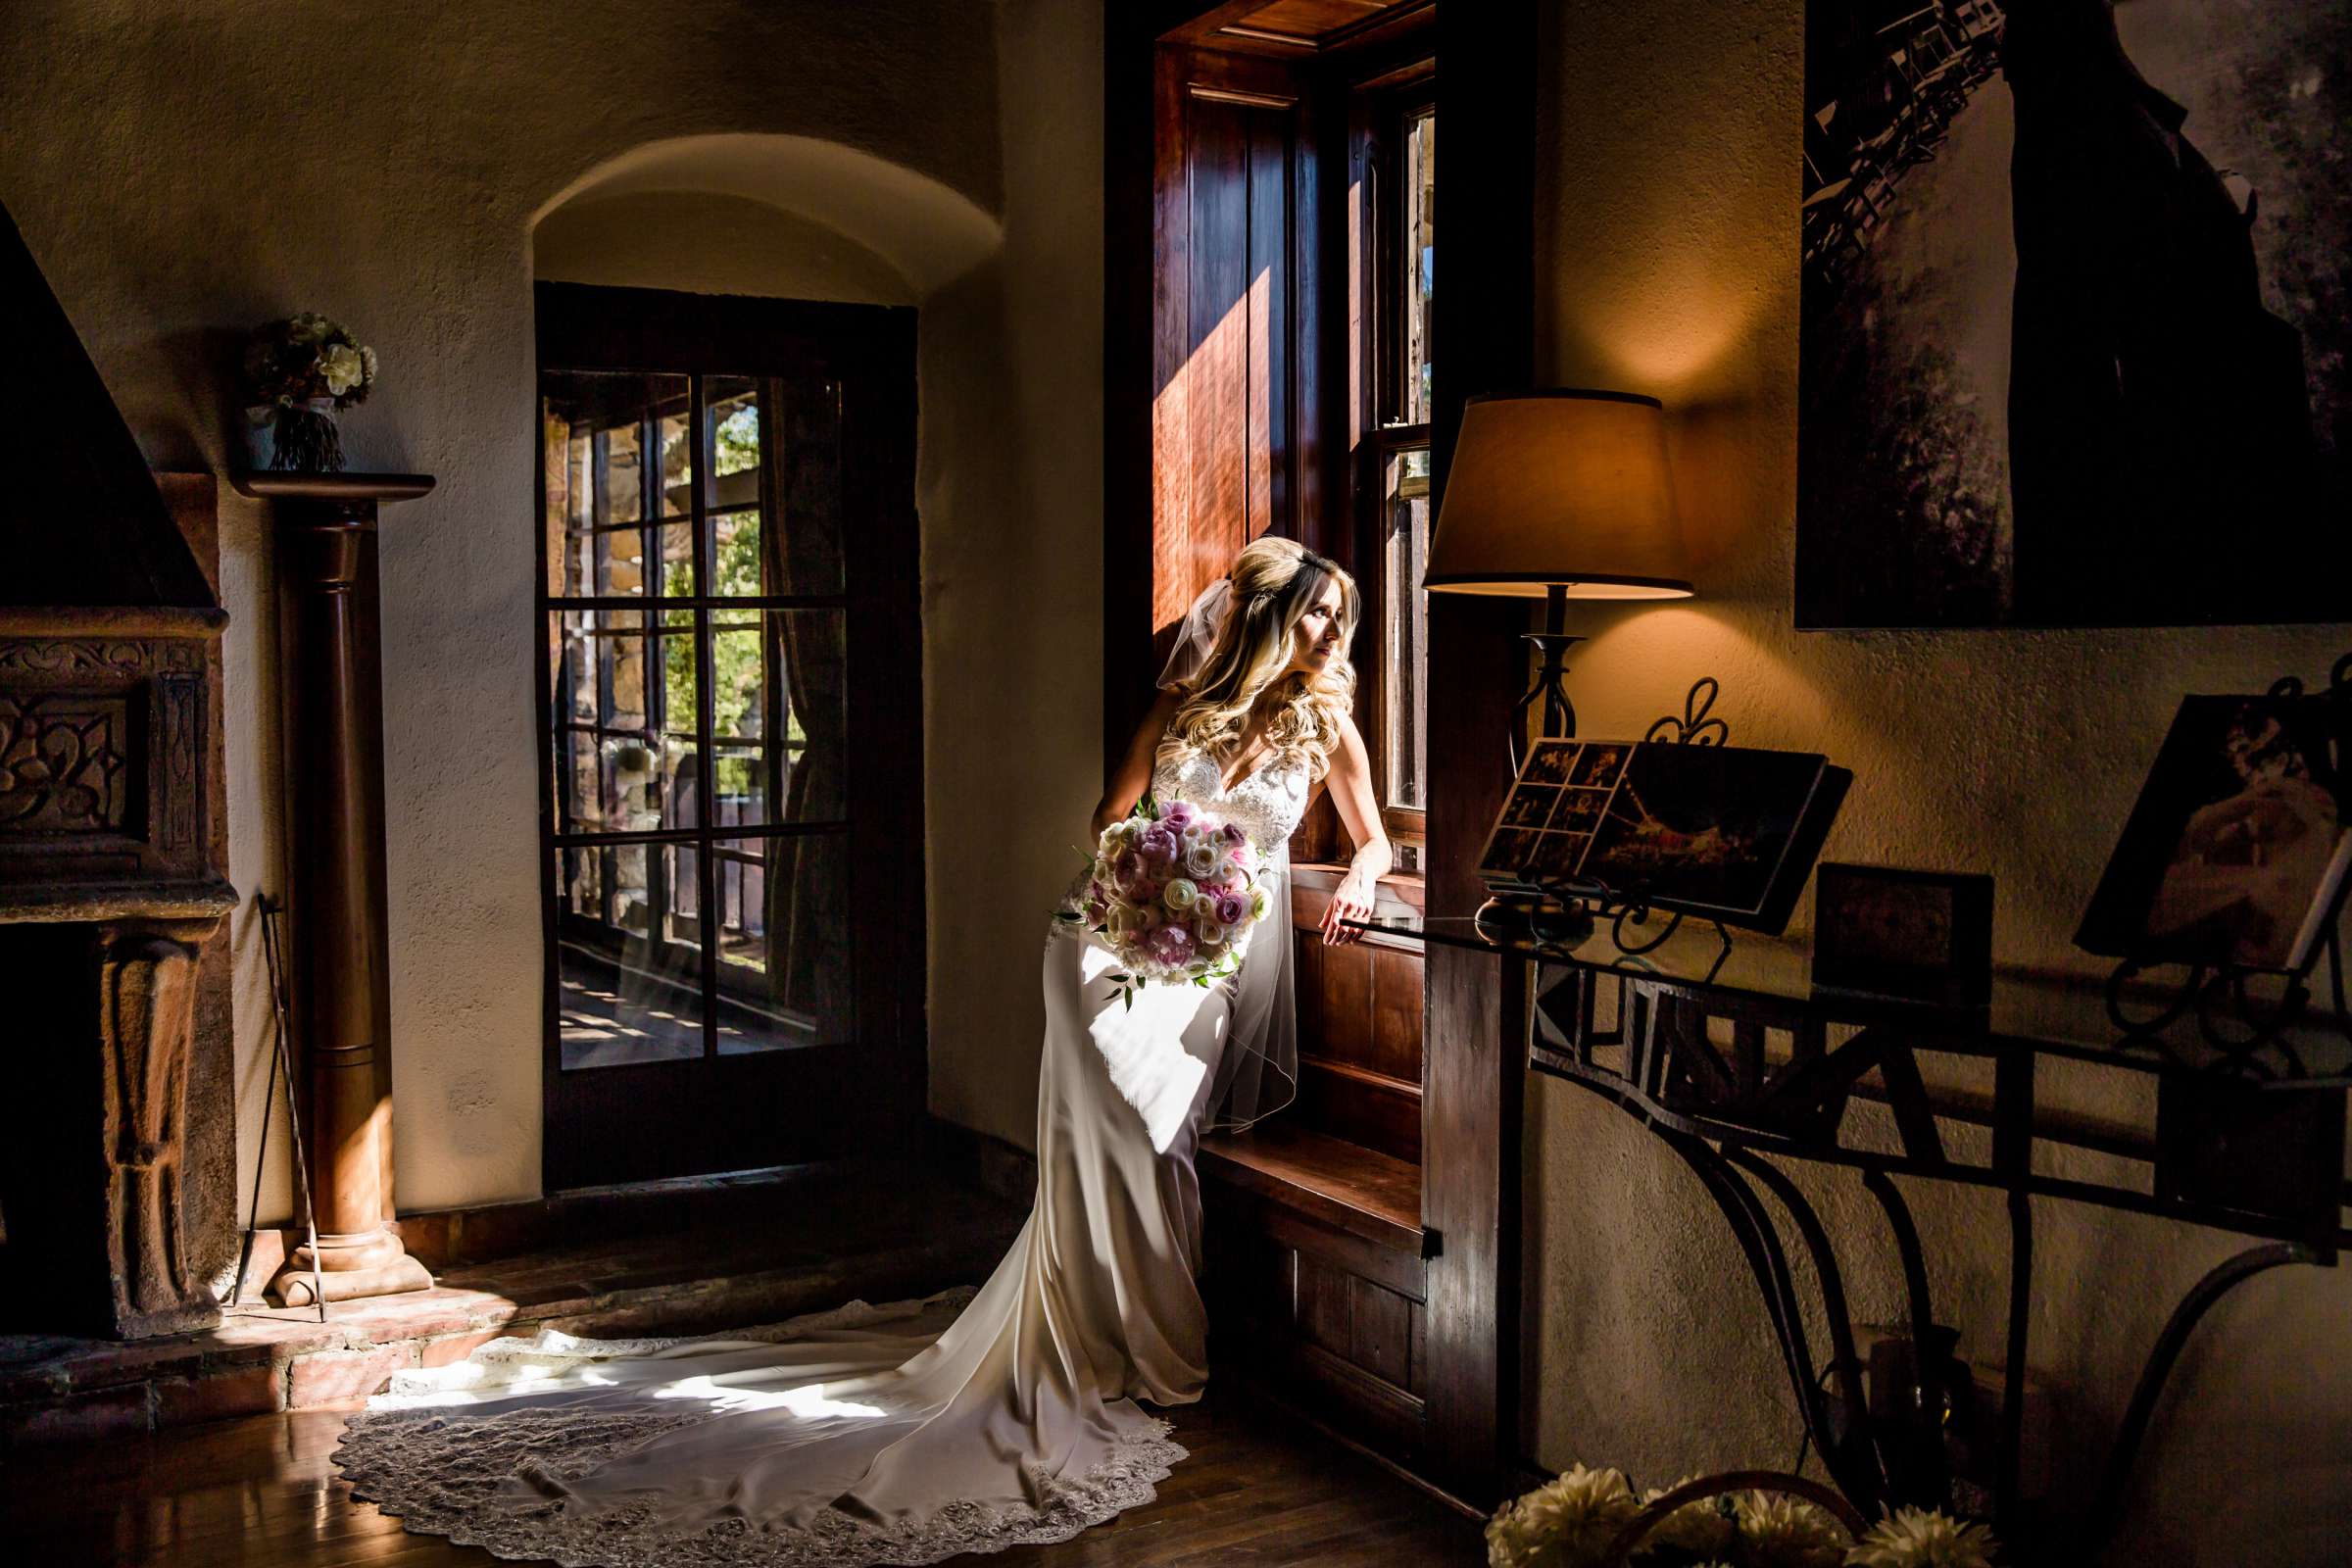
point(1268, 802)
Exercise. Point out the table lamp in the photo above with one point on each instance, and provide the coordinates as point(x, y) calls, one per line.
point(1558, 495)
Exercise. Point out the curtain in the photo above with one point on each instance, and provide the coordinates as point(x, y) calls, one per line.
point(806, 669)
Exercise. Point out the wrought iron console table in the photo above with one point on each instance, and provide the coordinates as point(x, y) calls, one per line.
point(1729, 1054)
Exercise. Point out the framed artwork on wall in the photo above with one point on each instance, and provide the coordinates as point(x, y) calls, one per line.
point(2076, 306)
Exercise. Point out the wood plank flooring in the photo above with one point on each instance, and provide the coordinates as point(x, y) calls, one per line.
point(1261, 1489)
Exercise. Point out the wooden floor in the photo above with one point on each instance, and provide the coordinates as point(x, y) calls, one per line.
point(1259, 1490)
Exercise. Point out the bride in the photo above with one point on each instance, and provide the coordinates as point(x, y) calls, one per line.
point(907, 1432)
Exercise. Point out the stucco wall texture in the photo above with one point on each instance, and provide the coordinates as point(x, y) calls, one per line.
point(184, 171)
point(1667, 262)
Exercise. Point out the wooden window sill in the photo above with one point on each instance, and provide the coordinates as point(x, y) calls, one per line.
point(1343, 1185)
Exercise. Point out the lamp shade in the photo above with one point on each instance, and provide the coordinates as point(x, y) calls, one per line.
point(1565, 488)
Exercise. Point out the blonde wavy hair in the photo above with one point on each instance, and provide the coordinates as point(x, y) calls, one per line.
point(1274, 583)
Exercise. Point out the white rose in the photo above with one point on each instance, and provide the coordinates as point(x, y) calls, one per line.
point(342, 367)
point(1181, 895)
point(1208, 932)
point(1261, 904)
point(1201, 861)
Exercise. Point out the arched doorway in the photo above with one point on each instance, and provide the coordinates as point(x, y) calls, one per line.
point(730, 658)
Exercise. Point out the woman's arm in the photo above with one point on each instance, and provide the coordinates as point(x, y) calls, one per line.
point(1133, 776)
point(1350, 783)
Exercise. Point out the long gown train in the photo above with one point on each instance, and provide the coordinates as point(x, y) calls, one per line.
point(899, 1434)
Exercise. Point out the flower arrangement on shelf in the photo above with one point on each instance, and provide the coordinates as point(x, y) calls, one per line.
point(1175, 893)
point(300, 373)
point(1593, 1519)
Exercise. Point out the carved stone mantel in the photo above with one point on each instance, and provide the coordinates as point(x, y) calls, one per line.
point(108, 894)
point(338, 956)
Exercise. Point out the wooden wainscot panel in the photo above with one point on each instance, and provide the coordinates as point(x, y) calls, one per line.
point(1325, 1316)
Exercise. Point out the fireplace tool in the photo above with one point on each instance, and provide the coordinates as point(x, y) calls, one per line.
point(280, 1062)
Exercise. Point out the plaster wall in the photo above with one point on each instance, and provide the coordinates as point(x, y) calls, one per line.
point(1667, 262)
point(185, 171)
point(1013, 660)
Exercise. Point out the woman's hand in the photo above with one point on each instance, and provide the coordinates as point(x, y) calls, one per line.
point(1351, 901)
point(1359, 815)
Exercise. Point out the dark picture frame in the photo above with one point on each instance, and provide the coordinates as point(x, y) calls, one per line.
point(1903, 935)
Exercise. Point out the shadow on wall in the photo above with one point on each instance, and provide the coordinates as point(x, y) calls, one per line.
point(849, 208)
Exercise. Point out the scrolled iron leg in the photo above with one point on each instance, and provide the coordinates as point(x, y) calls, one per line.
point(2218, 1282)
point(1768, 1261)
point(2013, 1384)
point(1857, 1448)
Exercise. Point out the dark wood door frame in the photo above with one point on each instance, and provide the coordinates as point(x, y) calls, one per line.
point(815, 1102)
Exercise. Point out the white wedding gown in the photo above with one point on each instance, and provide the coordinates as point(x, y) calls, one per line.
point(905, 1433)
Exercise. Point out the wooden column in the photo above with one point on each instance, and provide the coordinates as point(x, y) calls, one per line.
point(338, 956)
point(1475, 1030)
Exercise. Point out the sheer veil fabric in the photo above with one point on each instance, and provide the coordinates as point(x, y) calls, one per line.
point(909, 1432)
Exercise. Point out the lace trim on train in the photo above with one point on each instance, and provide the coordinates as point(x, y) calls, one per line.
point(441, 1474)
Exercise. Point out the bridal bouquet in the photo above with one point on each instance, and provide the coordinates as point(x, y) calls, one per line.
point(1175, 893)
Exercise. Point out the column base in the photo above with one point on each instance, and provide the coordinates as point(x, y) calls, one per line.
point(350, 1267)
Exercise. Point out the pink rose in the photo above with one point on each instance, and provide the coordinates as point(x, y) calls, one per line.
point(1128, 873)
point(1159, 844)
point(1231, 908)
point(1171, 944)
point(1234, 834)
point(1180, 815)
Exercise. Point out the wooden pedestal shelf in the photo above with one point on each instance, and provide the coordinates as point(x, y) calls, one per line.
point(339, 961)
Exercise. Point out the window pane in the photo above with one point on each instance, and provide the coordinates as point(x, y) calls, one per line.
point(623, 993)
point(731, 416)
point(780, 677)
point(606, 434)
point(736, 569)
point(677, 559)
point(1416, 305)
point(624, 723)
point(782, 922)
point(1406, 619)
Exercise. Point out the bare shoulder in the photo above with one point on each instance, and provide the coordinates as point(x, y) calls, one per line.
point(1351, 742)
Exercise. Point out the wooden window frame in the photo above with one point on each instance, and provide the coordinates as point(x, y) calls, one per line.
point(1378, 110)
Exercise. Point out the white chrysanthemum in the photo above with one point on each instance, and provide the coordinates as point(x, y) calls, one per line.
point(1918, 1538)
point(341, 368)
point(1700, 1527)
point(1789, 1531)
point(1568, 1523)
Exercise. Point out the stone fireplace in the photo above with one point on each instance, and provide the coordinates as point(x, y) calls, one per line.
point(116, 1136)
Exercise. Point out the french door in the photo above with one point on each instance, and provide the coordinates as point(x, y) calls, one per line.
point(731, 709)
